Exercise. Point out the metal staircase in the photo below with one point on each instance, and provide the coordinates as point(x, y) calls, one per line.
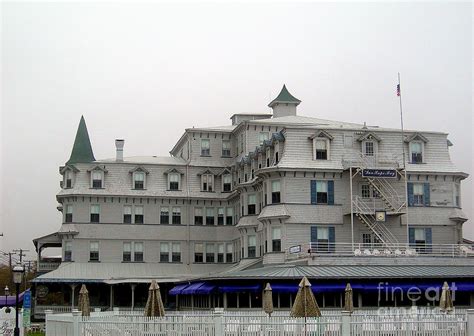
point(389, 201)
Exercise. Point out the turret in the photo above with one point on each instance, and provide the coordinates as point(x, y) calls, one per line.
point(82, 149)
point(285, 104)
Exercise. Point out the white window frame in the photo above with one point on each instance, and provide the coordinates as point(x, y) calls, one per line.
point(95, 242)
point(138, 210)
point(179, 181)
point(229, 177)
point(457, 195)
point(134, 179)
point(226, 147)
point(67, 248)
point(127, 210)
point(416, 193)
point(209, 180)
point(205, 148)
point(374, 147)
point(99, 173)
point(422, 145)
point(68, 175)
point(315, 148)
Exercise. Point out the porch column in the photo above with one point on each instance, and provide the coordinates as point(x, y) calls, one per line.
point(73, 287)
point(359, 300)
point(111, 297)
point(132, 287)
point(225, 300)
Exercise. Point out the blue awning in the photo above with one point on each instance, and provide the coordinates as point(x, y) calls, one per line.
point(192, 288)
point(240, 288)
point(207, 288)
point(176, 290)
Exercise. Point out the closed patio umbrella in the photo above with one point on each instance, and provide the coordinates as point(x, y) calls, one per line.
point(154, 304)
point(446, 301)
point(305, 304)
point(268, 300)
point(84, 304)
point(348, 304)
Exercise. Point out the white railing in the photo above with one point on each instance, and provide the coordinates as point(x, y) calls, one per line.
point(378, 250)
point(223, 323)
point(45, 266)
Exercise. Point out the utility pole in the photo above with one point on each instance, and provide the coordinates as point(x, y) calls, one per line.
point(10, 267)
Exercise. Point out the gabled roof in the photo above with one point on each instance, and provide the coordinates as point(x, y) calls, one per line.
point(206, 171)
point(368, 135)
point(321, 134)
point(97, 167)
point(284, 97)
point(82, 149)
point(139, 169)
point(174, 170)
point(70, 167)
point(416, 136)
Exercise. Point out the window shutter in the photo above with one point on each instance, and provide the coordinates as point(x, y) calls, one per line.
point(314, 234)
point(313, 192)
point(411, 236)
point(410, 193)
point(331, 192)
point(332, 238)
point(429, 239)
point(426, 193)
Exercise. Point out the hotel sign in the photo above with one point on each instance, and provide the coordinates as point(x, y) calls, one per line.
point(385, 173)
point(295, 249)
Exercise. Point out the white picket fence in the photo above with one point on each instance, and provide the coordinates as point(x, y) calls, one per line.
point(224, 323)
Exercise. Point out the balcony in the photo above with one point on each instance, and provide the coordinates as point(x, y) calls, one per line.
point(48, 266)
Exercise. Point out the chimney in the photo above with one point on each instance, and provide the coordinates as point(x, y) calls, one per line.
point(119, 143)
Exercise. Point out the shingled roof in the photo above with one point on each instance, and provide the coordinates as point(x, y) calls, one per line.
point(284, 97)
point(82, 149)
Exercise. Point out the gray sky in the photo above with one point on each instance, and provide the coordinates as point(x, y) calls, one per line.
point(144, 72)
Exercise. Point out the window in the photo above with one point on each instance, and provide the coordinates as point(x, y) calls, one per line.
point(226, 183)
point(176, 219)
point(416, 152)
point(209, 253)
point(457, 195)
point(138, 252)
point(252, 246)
point(94, 251)
point(421, 239)
point(68, 178)
point(96, 179)
point(418, 194)
point(348, 141)
point(226, 148)
point(205, 147)
point(68, 216)
point(220, 216)
point(68, 251)
point(220, 253)
point(209, 216)
point(176, 252)
point(198, 220)
point(365, 190)
point(127, 252)
point(229, 253)
point(276, 239)
point(95, 213)
point(369, 148)
point(164, 252)
point(230, 216)
point(174, 181)
point(276, 192)
point(207, 182)
point(164, 215)
point(127, 214)
point(323, 239)
point(241, 142)
point(198, 253)
point(139, 180)
point(321, 192)
point(262, 137)
point(252, 201)
point(367, 240)
point(321, 149)
point(138, 214)
point(276, 158)
point(267, 154)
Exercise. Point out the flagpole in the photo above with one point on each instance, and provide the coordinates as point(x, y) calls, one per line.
point(399, 91)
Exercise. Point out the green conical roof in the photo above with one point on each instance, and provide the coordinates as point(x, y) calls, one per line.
point(82, 150)
point(284, 97)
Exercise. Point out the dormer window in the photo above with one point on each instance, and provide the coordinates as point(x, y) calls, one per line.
point(369, 142)
point(174, 179)
point(97, 179)
point(226, 183)
point(68, 179)
point(416, 152)
point(139, 180)
point(321, 147)
point(368, 147)
point(207, 182)
point(262, 137)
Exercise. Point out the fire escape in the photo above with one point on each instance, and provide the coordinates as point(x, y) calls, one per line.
point(388, 200)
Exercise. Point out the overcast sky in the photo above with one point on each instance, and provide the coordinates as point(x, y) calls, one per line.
point(145, 72)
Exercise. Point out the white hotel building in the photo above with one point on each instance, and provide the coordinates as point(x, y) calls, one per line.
point(269, 198)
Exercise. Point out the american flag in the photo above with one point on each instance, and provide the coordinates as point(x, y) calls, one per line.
point(398, 90)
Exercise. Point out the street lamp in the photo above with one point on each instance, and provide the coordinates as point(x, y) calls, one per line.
point(17, 278)
point(7, 293)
